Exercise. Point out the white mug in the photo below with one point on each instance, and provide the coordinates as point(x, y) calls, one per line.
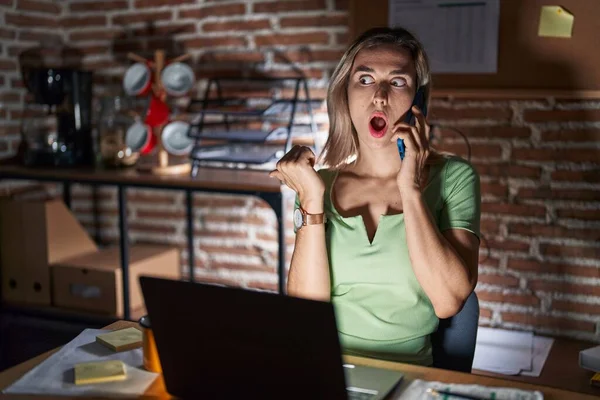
point(137, 80)
point(177, 78)
point(175, 139)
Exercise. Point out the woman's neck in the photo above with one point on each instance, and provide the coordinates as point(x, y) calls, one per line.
point(377, 163)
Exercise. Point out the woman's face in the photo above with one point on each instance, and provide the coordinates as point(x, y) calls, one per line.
point(381, 89)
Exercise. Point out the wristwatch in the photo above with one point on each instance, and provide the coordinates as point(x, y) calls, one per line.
point(302, 218)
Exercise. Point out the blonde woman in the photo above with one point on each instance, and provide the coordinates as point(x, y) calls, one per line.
point(393, 243)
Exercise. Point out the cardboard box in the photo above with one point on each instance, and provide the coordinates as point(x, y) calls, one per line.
point(93, 282)
point(33, 235)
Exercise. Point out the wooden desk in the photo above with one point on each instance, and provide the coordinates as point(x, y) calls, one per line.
point(561, 369)
point(157, 389)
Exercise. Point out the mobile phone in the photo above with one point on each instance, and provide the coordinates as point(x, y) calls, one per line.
point(421, 103)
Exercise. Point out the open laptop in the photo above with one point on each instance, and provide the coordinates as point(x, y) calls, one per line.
point(218, 342)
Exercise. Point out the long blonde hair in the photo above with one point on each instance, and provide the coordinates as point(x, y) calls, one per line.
point(341, 146)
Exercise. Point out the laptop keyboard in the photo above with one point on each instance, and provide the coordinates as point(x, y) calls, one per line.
point(356, 395)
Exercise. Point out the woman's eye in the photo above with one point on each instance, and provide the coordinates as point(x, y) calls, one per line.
point(398, 82)
point(366, 80)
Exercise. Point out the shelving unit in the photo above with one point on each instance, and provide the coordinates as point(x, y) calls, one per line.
point(217, 139)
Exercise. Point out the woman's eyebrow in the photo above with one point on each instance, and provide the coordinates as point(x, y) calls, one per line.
point(364, 68)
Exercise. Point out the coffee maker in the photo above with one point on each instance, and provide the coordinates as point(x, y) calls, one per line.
point(57, 116)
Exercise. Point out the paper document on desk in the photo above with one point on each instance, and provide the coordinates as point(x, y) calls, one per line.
point(55, 375)
point(541, 350)
point(503, 351)
point(417, 390)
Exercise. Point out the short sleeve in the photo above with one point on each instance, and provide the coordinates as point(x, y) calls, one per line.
point(462, 197)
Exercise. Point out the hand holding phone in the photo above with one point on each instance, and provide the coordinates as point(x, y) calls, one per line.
point(420, 102)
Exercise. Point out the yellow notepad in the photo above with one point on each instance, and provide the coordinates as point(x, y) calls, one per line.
point(121, 340)
point(98, 372)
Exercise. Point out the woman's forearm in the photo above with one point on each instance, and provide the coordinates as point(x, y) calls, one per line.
point(309, 270)
point(442, 273)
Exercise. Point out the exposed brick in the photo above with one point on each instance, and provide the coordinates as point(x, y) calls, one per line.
point(207, 42)
point(308, 55)
point(563, 287)
point(262, 286)
point(107, 5)
point(155, 198)
point(554, 155)
point(215, 233)
point(550, 231)
point(215, 280)
point(314, 21)
point(94, 49)
point(101, 34)
point(305, 72)
point(487, 132)
point(236, 25)
point(477, 150)
point(149, 228)
point(585, 215)
point(508, 170)
point(577, 176)
point(171, 29)
point(495, 189)
point(7, 34)
point(561, 115)
point(342, 38)
point(513, 298)
point(220, 10)
point(570, 251)
point(289, 5)
point(571, 306)
point(161, 214)
point(552, 268)
point(252, 57)
point(83, 21)
point(39, 6)
point(507, 244)
point(485, 313)
point(498, 114)
point(489, 226)
point(225, 201)
point(243, 251)
point(500, 280)
point(292, 39)
point(30, 21)
point(160, 3)
point(10, 97)
point(582, 135)
point(514, 209)
point(230, 219)
point(559, 194)
point(8, 65)
point(548, 322)
point(128, 19)
point(7, 3)
point(37, 36)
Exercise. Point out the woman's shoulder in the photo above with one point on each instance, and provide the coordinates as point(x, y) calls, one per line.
point(457, 167)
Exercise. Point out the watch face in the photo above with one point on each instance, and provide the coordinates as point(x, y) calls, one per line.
point(297, 218)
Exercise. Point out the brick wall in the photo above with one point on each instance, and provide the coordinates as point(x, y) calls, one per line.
point(539, 158)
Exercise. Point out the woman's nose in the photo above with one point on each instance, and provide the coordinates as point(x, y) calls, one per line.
point(381, 97)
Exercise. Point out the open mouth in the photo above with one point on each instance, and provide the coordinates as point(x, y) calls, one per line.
point(378, 124)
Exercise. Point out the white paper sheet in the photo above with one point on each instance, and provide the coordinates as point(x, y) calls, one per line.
point(460, 36)
point(417, 390)
point(503, 351)
point(54, 376)
point(541, 350)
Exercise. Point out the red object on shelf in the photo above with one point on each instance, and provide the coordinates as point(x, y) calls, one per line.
point(158, 112)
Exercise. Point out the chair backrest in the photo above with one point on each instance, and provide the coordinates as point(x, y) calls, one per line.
point(453, 343)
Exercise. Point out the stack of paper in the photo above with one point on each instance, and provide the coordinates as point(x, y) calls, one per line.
point(418, 390)
point(510, 352)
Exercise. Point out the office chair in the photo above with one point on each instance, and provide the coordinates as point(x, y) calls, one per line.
point(453, 344)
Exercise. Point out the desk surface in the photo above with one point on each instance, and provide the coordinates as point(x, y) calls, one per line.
point(411, 372)
point(207, 178)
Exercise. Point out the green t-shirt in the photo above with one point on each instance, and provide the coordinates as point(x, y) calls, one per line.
point(381, 309)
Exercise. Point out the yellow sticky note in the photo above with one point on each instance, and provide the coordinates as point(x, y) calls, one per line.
point(555, 21)
point(99, 372)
